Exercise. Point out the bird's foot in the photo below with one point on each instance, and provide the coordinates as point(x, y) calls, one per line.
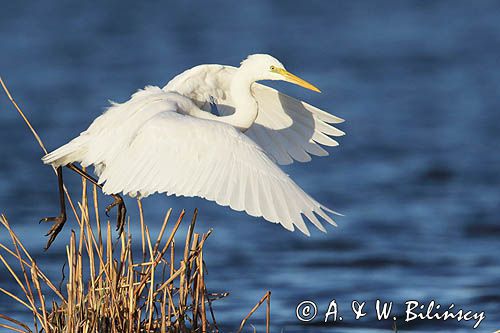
point(122, 212)
point(55, 229)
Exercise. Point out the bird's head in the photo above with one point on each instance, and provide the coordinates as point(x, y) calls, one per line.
point(266, 67)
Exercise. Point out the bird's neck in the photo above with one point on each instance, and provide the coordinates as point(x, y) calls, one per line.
point(246, 108)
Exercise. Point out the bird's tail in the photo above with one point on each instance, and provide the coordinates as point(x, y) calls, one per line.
point(70, 152)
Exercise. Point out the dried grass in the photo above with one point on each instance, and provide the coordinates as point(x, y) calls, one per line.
point(119, 293)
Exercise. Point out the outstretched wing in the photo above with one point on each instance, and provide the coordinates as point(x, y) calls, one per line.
point(289, 129)
point(286, 128)
point(178, 154)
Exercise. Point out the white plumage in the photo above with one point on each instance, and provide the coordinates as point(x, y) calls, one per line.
point(167, 141)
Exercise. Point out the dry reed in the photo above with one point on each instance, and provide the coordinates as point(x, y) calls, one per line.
point(107, 290)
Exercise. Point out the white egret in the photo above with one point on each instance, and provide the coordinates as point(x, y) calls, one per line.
point(166, 140)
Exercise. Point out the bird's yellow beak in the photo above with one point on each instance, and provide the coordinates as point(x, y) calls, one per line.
point(296, 80)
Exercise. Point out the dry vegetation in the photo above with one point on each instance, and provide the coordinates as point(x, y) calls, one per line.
point(107, 288)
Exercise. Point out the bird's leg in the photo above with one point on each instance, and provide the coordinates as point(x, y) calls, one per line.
point(84, 174)
point(122, 210)
point(58, 220)
point(213, 107)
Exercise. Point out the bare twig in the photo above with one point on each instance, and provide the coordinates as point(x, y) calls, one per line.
point(267, 297)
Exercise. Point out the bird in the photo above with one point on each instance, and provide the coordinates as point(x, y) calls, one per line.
point(213, 132)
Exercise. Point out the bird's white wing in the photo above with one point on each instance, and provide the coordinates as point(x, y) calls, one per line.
point(178, 154)
point(286, 128)
point(289, 129)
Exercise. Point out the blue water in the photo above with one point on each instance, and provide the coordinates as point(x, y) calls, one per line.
point(417, 175)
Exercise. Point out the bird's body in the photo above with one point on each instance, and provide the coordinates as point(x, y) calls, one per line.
point(167, 141)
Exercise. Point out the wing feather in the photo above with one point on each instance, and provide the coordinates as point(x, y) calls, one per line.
point(182, 155)
point(296, 126)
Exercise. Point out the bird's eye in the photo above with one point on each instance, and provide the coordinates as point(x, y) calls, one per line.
point(272, 68)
